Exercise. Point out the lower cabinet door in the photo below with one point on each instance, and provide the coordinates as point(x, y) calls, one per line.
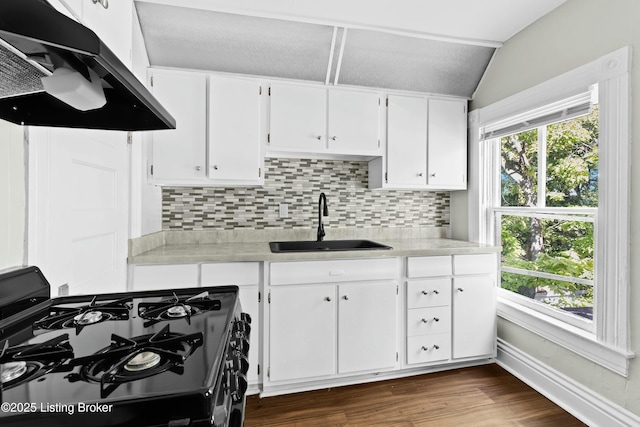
point(474, 316)
point(302, 332)
point(367, 326)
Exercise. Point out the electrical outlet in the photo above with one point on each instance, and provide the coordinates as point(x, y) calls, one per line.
point(283, 210)
point(63, 290)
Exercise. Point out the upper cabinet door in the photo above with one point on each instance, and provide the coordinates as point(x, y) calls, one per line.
point(114, 25)
point(298, 118)
point(180, 154)
point(447, 141)
point(353, 122)
point(406, 141)
point(234, 129)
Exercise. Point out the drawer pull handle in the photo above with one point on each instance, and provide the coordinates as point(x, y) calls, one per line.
point(346, 297)
point(435, 291)
point(436, 347)
point(336, 273)
point(327, 298)
point(436, 319)
point(425, 321)
point(425, 348)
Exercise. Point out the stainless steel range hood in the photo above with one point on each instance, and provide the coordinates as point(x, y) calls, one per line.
point(36, 41)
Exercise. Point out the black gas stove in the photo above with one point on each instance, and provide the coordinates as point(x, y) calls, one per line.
point(153, 358)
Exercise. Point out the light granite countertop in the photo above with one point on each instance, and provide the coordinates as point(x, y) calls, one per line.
point(177, 253)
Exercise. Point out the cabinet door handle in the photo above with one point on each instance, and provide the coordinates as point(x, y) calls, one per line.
point(198, 168)
point(420, 174)
point(346, 297)
point(433, 175)
point(319, 137)
point(460, 290)
point(425, 321)
point(436, 347)
point(425, 292)
point(436, 319)
point(435, 291)
point(425, 348)
point(327, 299)
point(334, 138)
point(215, 167)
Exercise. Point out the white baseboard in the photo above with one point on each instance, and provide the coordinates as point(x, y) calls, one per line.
point(580, 401)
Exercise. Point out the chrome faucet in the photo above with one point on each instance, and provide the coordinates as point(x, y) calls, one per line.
point(321, 213)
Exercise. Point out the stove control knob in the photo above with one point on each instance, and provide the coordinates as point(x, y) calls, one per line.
point(241, 328)
point(245, 317)
point(238, 388)
point(240, 344)
point(239, 362)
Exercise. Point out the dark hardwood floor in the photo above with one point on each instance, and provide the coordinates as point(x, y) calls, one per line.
point(479, 396)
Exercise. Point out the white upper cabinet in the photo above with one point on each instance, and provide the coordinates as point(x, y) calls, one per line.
point(406, 141)
point(234, 130)
point(319, 121)
point(298, 118)
point(179, 155)
point(353, 122)
point(219, 130)
point(447, 143)
point(114, 25)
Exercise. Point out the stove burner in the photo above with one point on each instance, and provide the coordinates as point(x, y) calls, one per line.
point(61, 317)
point(89, 317)
point(142, 361)
point(177, 308)
point(179, 311)
point(136, 358)
point(12, 371)
point(24, 363)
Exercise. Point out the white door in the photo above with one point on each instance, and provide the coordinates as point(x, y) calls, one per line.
point(78, 208)
point(234, 129)
point(407, 141)
point(353, 122)
point(180, 154)
point(302, 332)
point(298, 118)
point(447, 142)
point(474, 316)
point(367, 326)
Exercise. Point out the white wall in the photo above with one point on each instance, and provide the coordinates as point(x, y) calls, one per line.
point(12, 195)
point(576, 33)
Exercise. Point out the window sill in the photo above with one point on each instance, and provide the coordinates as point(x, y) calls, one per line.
point(570, 337)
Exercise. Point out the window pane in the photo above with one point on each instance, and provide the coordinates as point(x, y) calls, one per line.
point(572, 162)
point(559, 247)
point(519, 171)
point(574, 298)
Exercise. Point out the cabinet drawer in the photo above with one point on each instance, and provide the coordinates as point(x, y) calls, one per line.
point(475, 264)
point(432, 320)
point(230, 273)
point(429, 266)
point(428, 348)
point(333, 271)
point(149, 277)
point(429, 292)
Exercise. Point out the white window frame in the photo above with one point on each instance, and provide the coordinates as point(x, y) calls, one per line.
point(608, 343)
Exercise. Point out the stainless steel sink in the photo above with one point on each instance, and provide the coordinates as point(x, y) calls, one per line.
point(325, 245)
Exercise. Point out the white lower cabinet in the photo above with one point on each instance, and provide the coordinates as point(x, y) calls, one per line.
point(451, 308)
point(245, 275)
point(302, 328)
point(474, 316)
point(323, 330)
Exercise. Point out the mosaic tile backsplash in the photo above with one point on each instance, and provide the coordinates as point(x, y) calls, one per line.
point(298, 183)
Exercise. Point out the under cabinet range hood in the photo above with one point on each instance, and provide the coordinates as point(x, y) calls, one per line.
point(49, 62)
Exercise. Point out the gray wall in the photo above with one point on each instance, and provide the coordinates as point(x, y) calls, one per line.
point(576, 33)
point(12, 195)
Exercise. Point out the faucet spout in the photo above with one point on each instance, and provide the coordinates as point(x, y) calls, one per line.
point(322, 212)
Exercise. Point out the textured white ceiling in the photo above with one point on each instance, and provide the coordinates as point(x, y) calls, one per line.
point(425, 46)
point(489, 20)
